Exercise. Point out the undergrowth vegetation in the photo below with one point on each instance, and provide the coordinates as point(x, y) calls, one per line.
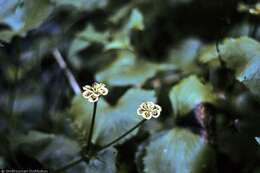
point(179, 91)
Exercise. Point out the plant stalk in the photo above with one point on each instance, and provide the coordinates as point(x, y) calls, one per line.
point(91, 127)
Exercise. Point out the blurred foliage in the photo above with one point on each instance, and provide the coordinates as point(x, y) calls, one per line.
point(199, 59)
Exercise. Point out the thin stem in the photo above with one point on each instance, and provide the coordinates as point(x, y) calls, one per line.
point(122, 136)
point(12, 99)
point(222, 63)
point(73, 83)
point(13, 118)
point(74, 163)
point(91, 127)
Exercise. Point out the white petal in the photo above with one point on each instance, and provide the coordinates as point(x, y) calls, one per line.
point(87, 94)
point(140, 111)
point(157, 107)
point(103, 91)
point(156, 114)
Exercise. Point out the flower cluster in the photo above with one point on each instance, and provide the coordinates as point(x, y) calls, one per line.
point(92, 93)
point(148, 110)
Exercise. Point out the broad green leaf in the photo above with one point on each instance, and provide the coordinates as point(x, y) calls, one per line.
point(120, 14)
point(83, 4)
point(136, 20)
point(26, 15)
point(258, 140)
point(76, 46)
point(56, 151)
point(32, 137)
point(111, 121)
point(189, 93)
point(91, 35)
point(184, 55)
point(178, 151)
point(120, 41)
point(242, 55)
point(208, 53)
point(59, 152)
point(104, 162)
point(127, 69)
point(35, 13)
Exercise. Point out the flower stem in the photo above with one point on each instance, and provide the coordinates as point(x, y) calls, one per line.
point(91, 127)
point(122, 136)
point(88, 144)
point(60, 170)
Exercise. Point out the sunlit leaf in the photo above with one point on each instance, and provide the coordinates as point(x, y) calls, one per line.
point(178, 151)
point(257, 139)
point(120, 41)
point(120, 14)
point(136, 20)
point(242, 55)
point(76, 46)
point(184, 55)
point(26, 15)
point(111, 121)
point(89, 34)
point(189, 93)
point(83, 4)
point(127, 70)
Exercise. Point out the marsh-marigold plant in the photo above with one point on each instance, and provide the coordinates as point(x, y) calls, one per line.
point(92, 93)
point(148, 110)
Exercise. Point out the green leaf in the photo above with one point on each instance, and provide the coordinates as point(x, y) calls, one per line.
point(127, 70)
point(136, 20)
point(83, 4)
point(25, 15)
point(56, 151)
point(257, 140)
point(178, 151)
point(242, 55)
point(89, 34)
point(121, 40)
point(76, 46)
point(35, 13)
point(104, 162)
point(184, 55)
point(120, 14)
point(32, 137)
point(111, 121)
point(189, 93)
point(59, 152)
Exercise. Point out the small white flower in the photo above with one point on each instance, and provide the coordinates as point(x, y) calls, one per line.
point(92, 93)
point(148, 110)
